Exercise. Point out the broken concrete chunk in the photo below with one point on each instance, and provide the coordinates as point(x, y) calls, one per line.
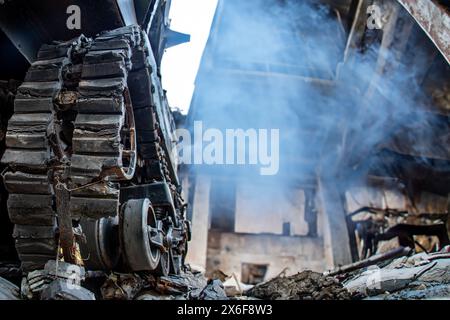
point(75, 274)
point(63, 290)
point(8, 290)
point(234, 287)
point(404, 278)
point(212, 291)
point(153, 295)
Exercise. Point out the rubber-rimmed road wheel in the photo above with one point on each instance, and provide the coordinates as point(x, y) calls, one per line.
point(137, 217)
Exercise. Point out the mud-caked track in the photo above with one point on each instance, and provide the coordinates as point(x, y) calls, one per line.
point(90, 135)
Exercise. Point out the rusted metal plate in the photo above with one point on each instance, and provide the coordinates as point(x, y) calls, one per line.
point(434, 20)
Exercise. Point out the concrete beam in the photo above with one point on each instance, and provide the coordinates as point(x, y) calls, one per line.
point(434, 20)
point(200, 223)
point(335, 231)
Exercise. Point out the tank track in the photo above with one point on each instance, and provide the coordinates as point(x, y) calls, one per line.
point(8, 255)
point(30, 156)
point(84, 122)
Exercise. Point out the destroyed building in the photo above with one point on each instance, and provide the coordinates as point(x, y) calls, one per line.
point(362, 113)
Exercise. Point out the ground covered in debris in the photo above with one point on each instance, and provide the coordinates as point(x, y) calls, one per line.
point(306, 285)
point(411, 276)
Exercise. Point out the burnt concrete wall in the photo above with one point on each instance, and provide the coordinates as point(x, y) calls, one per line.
point(228, 251)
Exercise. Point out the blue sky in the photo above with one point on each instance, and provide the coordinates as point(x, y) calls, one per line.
point(180, 63)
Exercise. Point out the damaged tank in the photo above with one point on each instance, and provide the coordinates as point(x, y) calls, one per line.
point(88, 150)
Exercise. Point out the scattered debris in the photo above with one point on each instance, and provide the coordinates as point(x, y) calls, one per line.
point(144, 286)
point(34, 283)
point(62, 290)
point(398, 252)
point(306, 285)
point(233, 287)
point(439, 292)
point(387, 276)
point(419, 276)
point(57, 281)
point(220, 275)
point(8, 290)
point(181, 284)
point(153, 295)
point(121, 286)
point(212, 291)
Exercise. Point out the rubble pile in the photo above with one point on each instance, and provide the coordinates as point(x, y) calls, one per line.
point(306, 285)
point(62, 281)
point(411, 276)
point(186, 286)
point(420, 276)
